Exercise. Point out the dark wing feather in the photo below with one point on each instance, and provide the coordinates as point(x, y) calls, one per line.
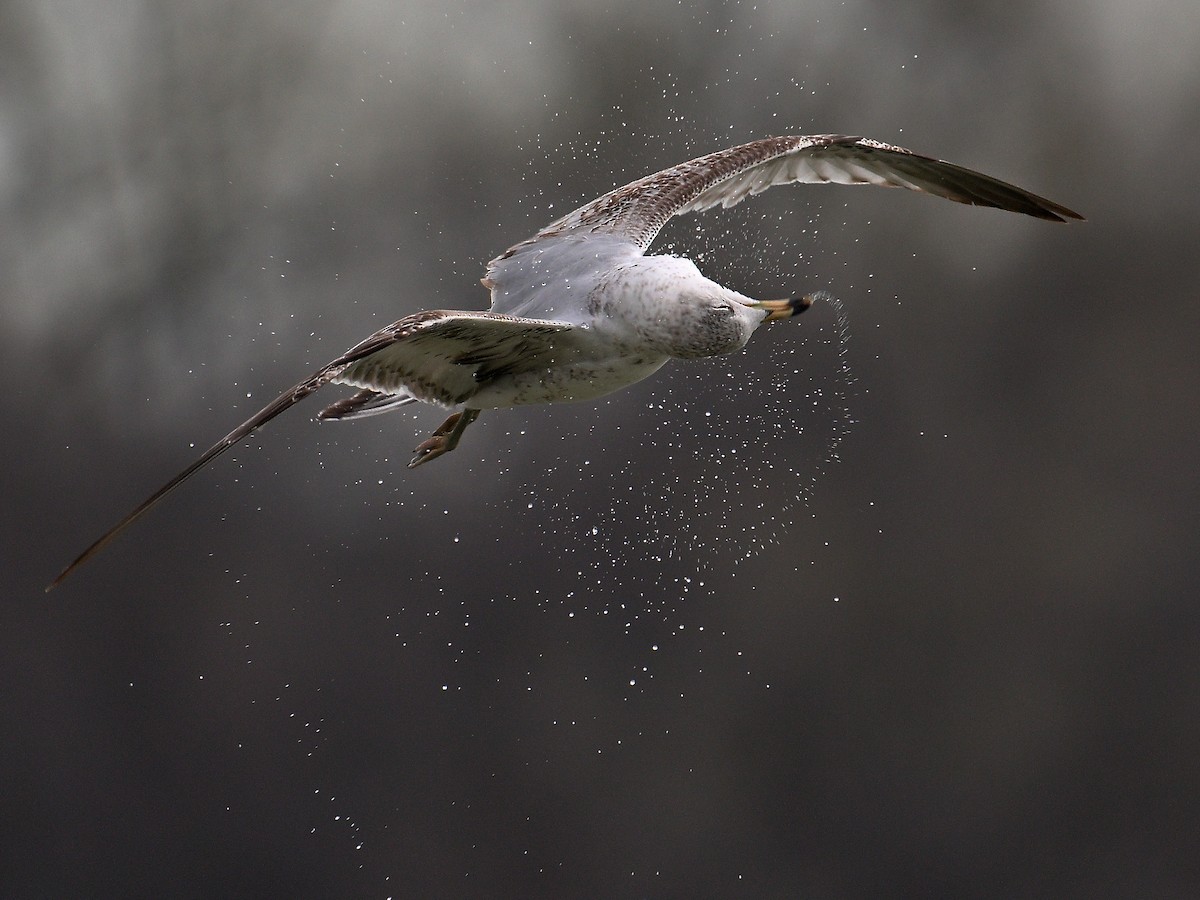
point(476, 336)
point(284, 401)
point(639, 210)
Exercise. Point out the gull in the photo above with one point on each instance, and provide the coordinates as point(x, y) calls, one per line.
point(579, 310)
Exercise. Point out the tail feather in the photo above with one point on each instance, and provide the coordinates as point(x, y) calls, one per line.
point(365, 403)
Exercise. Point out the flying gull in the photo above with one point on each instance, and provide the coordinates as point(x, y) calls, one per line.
point(579, 310)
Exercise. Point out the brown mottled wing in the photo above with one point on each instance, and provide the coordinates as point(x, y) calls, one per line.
point(456, 344)
point(640, 209)
point(450, 355)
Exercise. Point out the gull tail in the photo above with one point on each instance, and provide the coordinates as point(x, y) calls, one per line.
point(363, 404)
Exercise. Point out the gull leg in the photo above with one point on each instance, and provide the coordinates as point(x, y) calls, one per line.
point(445, 438)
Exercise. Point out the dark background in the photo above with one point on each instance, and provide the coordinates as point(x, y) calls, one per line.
point(961, 654)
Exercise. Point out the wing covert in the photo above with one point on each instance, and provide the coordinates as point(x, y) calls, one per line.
point(445, 357)
point(638, 211)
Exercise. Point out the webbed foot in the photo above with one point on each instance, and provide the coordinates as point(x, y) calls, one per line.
point(444, 439)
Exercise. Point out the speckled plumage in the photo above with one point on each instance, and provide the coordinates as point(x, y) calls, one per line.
point(579, 310)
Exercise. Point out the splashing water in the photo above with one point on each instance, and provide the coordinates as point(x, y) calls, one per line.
point(711, 465)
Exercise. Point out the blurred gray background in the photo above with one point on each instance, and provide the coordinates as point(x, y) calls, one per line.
point(962, 655)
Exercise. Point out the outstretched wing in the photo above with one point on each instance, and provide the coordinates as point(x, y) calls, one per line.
point(431, 356)
point(445, 357)
point(639, 210)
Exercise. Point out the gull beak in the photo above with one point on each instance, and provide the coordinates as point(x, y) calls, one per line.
point(784, 309)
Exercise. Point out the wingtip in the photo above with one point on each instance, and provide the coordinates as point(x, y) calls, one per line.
point(1053, 212)
point(63, 575)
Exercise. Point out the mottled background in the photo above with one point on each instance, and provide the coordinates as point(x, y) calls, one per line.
point(961, 656)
